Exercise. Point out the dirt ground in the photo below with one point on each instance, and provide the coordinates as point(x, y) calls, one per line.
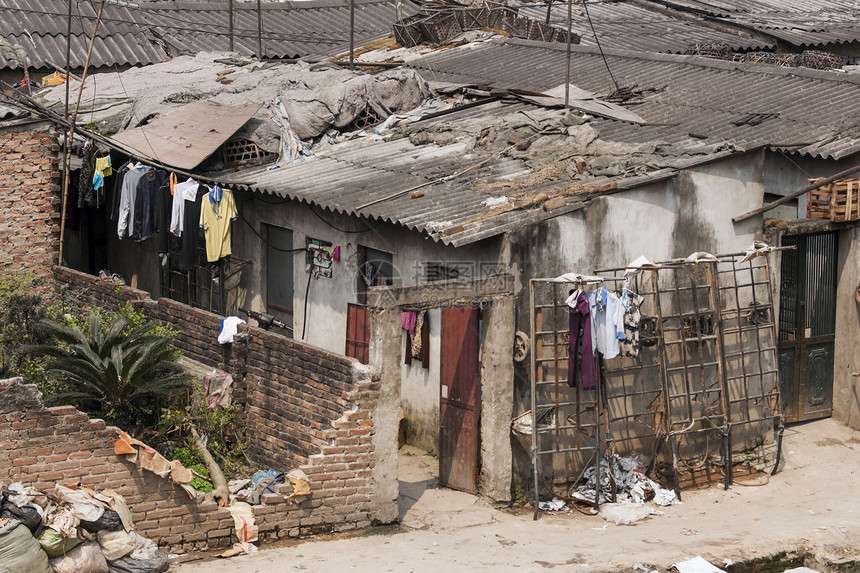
point(812, 506)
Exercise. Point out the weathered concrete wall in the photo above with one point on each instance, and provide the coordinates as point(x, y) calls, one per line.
point(29, 198)
point(846, 366)
point(420, 392)
point(497, 390)
point(326, 320)
point(665, 220)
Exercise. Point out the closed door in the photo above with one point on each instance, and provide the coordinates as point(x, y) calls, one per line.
point(458, 415)
point(807, 326)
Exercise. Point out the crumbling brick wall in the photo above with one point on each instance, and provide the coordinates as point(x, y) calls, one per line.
point(42, 446)
point(303, 407)
point(29, 198)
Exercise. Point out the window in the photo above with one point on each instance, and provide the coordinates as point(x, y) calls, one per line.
point(279, 273)
point(375, 268)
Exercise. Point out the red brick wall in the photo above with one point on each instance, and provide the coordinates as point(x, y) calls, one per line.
point(29, 199)
point(303, 407)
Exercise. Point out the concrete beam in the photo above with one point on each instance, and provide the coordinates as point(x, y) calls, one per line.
point(497, 400)
point(437, 294)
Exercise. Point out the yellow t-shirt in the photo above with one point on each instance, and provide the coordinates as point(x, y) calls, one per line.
point(217, 213)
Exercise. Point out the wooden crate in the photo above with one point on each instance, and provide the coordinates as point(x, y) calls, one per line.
point(818, 201)
point(838, 201)
point(845, 200)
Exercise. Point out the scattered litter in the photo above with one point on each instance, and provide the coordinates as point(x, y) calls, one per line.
point(727, 562)
point(553, 505)
point(239, 549)
point(801, 570)
point(600, 528)
point(633, 486)
point(495, 201)
point(696, 565)
point(243, 518)
point(624, 513)
point(689, 532)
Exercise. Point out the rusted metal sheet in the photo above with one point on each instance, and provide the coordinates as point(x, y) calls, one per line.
point(186, 137)
point(458, 434)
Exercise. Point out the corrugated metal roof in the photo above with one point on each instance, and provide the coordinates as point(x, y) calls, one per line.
point(816, 111)
point(352, 177)
point(802, 23)
point(153, 31)
point(626, 26)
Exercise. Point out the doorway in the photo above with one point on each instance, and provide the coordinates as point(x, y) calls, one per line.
point(807, 326)
point(459, 399)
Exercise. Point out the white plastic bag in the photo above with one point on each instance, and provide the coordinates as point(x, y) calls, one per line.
point(116, 544)
point(624, 513)
point(85, 558)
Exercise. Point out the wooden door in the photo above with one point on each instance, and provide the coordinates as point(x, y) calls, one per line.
point(459, 413)
point(807, 326)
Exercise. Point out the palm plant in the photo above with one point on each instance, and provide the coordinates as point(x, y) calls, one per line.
point(123, 372)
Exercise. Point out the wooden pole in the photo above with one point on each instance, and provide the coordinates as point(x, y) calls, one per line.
point(230, 22)
point(259, 31)
point(567, 57)
point(351, 34)
point(796, 194)
point(68, 150)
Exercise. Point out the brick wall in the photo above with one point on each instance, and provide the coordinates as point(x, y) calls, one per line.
point(29, 198)
point(303, 407)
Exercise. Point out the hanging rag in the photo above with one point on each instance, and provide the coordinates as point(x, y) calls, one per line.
point(580, 334)
point(229, 327)
point(418, 346)
point(408, 320)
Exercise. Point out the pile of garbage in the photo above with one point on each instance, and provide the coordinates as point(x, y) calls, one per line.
point(72, 529)
point(629, 481)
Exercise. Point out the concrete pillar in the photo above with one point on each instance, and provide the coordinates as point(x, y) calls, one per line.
point(497, 400)
point(385, 344)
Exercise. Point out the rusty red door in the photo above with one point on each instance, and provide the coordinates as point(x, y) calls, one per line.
point(458, 415)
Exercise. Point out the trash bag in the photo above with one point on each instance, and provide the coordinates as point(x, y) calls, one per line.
point(109, 521)
point(20, 552)
point(144, 558)
point(28, 514)
point(85, 558)
point(624, 513)
point(55, 543)
point(116, 544)
point(266, 485)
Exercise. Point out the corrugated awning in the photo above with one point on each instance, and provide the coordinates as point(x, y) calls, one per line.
point(186, 137)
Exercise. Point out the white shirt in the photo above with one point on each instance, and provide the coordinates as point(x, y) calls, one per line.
point(607, 322)
point(182, 192)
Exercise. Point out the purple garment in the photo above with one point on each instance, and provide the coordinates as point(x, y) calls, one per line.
point(580, 323)
point(407, 321)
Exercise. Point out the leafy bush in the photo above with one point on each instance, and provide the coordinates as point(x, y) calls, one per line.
point(120, 369)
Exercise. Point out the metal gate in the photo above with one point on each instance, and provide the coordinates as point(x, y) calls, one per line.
point(706, 368)
point(807, 326)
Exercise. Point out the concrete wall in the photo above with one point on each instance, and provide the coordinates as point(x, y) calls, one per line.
point(665, 220)
point(326, 320)
point(846, 366)
point(420, 392)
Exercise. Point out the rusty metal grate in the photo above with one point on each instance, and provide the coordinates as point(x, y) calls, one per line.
point(367, 118)
point(707, 370)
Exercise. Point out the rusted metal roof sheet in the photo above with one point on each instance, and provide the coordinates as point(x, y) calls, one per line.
point(346, 177)
point(186, 137)
point(626, 26)
point(746, 105)
point(150, 32)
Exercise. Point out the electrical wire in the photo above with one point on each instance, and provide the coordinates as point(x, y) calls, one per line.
point(305, 311)
point(599, 47)
point(267, 243)
point(320, 217)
